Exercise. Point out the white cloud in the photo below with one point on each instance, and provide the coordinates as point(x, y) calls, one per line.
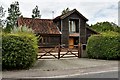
point(99, 10)
point(107, 13)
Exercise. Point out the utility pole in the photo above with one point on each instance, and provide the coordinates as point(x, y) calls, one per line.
point(52, 14)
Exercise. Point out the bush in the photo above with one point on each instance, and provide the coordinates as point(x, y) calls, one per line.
point(24, 28)
point(104, 46)
point(19, 51)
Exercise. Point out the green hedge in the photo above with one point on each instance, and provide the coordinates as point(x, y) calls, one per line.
point(104, 46)
point(19, 51)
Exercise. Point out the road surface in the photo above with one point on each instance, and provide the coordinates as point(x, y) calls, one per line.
point(101, 74)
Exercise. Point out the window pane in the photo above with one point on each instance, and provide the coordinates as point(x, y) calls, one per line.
point(73, 25)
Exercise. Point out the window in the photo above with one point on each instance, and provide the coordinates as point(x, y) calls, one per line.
point(74, 25)
point(44, 40)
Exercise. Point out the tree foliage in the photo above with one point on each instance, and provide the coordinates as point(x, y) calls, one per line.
point(36, 12)
point(65, 11)
point(13, 14)
point(2, 14)
point(105, 26)
point(24, 29)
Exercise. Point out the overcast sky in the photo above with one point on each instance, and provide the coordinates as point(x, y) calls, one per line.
point(98, 11)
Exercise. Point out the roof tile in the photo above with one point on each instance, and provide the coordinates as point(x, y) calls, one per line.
point(42, 26)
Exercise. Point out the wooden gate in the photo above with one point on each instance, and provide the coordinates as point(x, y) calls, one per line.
point(59, 51)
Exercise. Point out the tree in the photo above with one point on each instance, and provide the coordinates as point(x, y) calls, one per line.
point(2, 14)
point(13, 14)
point(36, 12)
point(65, 11)
point(105, 26)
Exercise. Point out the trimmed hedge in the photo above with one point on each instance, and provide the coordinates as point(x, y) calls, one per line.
point(104, 46)
point(19, 51)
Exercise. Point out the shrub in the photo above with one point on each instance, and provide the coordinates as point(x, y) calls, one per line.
point(104, 46)
point(19, 51)
point(24, 28)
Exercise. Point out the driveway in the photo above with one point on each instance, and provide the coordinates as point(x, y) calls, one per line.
point(54, 68)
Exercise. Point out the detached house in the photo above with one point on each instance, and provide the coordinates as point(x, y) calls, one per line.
point(67, 29)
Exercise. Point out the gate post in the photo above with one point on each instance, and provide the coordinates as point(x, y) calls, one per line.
point(79, 50)
point(59, 49)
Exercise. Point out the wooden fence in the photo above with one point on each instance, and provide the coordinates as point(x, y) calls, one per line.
point(59, 51)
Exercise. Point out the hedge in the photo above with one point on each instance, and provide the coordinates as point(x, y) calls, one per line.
point(104, 46)
point(19, 51)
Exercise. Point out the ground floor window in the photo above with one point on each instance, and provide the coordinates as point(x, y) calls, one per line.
point(44, 40)
point(51, 40)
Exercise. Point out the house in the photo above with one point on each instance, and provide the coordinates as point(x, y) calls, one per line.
point(46, 28)
point(64, 29)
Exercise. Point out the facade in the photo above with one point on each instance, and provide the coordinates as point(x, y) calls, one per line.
point(68, 29)
point(72, 25)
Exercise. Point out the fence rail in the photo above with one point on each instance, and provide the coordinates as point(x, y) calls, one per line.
point(60, 51)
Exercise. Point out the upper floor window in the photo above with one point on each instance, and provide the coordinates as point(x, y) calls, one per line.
point(74, 25)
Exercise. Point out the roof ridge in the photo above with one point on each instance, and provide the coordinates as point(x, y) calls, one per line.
point(36, 18)
point(62, 16)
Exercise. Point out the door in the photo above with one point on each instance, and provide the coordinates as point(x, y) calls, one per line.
point(71, 42)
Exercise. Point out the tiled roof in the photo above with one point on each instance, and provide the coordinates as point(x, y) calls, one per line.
point(69, 13)
point(42, 26)
point(92, 30)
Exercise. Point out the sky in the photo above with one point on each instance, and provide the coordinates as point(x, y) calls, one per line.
point(94, 10)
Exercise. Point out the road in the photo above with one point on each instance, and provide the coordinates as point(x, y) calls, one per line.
point(102, 74)
point(66, 68)
point(111, 75)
